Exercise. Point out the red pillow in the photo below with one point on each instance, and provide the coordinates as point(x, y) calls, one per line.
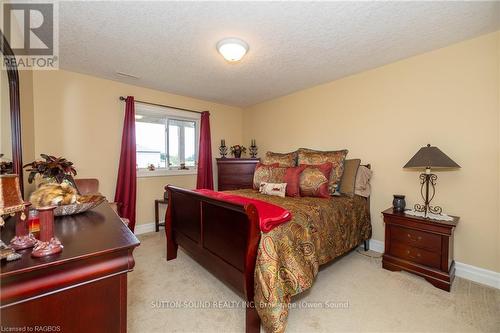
point(314, 180)
point(292, 180)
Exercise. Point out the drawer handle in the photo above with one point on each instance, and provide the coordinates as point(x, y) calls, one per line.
point(413, 257)
point(419, 238)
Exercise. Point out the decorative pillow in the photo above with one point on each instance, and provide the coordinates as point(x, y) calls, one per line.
point(349, 177)
point(362, 186)
point(277, 189)
point(314, 180)
point(284, 160)
point(292, 179)
point(315, 157)
point(274, 174)
point(267, 174)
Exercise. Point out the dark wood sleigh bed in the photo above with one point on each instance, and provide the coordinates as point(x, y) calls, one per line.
point(223, 237)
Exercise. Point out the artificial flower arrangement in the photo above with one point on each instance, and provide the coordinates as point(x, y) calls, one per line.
point(236, 150)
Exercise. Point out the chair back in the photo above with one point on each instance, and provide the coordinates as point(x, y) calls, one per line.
point(87, 185)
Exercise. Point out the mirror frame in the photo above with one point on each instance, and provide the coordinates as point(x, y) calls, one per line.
point(15, 110)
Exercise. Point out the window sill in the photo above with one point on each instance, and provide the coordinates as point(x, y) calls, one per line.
point(144, 173)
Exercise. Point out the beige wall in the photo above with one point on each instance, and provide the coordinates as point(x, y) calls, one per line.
point(448, 97)
point(80, 117)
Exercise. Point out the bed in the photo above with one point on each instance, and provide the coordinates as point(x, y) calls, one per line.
point(265, 269)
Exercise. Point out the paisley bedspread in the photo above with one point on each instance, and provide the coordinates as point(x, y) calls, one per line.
point(289, 256)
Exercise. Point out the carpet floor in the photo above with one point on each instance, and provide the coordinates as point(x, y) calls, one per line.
point(352, 294)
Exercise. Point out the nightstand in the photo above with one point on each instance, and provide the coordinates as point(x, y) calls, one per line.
point(420, 246)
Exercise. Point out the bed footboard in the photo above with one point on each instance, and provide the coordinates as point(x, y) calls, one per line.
point(223, 237)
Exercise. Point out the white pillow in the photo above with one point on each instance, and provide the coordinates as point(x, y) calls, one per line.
point(277, 189)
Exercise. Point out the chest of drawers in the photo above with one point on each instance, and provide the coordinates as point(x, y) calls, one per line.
point(420, 246)
point(81, 289)
point(235, 173)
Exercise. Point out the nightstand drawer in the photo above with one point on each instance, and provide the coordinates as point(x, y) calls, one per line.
point(416, 255)
point(415, 238)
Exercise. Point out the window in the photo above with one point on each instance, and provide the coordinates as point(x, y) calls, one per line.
point(167, 139)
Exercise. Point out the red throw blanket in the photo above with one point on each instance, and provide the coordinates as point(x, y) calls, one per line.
point(270, 216)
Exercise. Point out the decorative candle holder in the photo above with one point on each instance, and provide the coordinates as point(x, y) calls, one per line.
point(223, 148)
point(23, 239)
point(253, 149)
point(223, 151)
point(48, 243)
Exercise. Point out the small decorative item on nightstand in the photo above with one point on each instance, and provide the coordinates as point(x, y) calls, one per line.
point(420, 246)
point(399, 203)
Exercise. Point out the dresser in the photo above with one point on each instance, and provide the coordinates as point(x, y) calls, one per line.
point(235, 173)
point(81, 289)
point(420, 246)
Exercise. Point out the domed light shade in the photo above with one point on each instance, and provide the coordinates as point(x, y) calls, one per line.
point(232, 49)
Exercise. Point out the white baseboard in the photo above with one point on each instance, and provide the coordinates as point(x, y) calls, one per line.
point(144, 228)
point(376, 245)
point(465, 271)
point(476, 274)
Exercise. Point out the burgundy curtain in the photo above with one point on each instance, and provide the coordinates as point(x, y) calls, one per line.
point(126, 182)
point(205, 177)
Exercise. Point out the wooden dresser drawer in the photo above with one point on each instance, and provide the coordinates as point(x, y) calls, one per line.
point(414, 254)
point(415, 238)
point(235, 173)
point(236, 168)
point(233, 178)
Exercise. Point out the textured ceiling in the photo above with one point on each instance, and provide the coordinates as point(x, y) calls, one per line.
point(170, 46)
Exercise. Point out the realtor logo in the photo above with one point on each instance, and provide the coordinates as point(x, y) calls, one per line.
point(31, 30)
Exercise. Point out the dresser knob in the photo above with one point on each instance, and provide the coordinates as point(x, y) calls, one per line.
point(413, 257)
point(419, 238)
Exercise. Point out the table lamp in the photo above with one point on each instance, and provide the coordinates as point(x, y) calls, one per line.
point(428, 158)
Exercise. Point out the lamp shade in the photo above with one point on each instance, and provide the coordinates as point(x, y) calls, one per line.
point(11, 200)
point(431, 157)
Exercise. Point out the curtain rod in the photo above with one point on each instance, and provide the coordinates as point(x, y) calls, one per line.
point(165, 106)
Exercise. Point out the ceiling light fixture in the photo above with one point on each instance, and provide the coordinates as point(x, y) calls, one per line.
point(232, 49)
